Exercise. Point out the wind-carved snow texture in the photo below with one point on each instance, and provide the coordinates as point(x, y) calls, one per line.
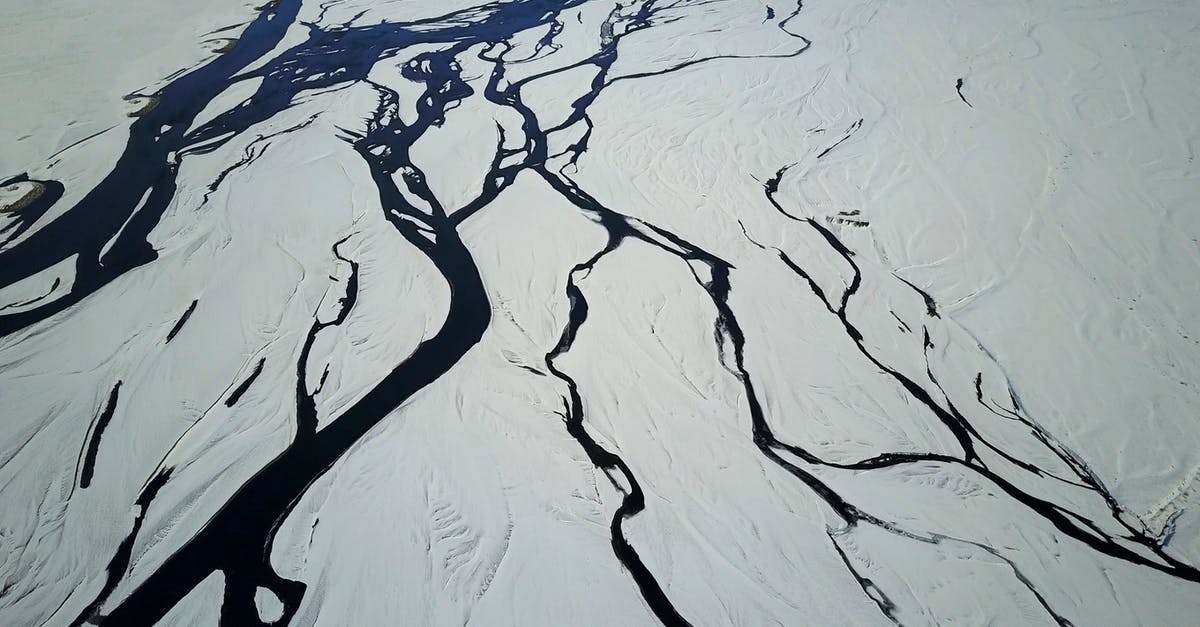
point(954, 502)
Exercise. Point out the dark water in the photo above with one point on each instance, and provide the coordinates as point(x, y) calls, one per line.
point(238, 539)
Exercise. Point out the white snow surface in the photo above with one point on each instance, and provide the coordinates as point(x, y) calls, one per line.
point(892, 312)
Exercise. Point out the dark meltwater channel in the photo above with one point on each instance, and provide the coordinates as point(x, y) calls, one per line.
point(108, 233)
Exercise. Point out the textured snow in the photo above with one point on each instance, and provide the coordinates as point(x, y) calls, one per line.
point(842, 312)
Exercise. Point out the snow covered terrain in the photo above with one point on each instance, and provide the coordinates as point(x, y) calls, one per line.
point(710, 312)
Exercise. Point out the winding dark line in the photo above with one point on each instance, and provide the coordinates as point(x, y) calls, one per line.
point(113, 217)
point(872, 591)
point(634, 500)
point(1067, 522)
point(119, 564)
point(238, 539)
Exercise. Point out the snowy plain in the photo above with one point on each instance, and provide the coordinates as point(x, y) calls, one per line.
point(715, 312)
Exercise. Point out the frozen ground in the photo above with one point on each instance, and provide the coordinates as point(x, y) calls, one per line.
point(373, 312)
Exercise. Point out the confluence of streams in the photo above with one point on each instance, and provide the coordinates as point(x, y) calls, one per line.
point(107, 232)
